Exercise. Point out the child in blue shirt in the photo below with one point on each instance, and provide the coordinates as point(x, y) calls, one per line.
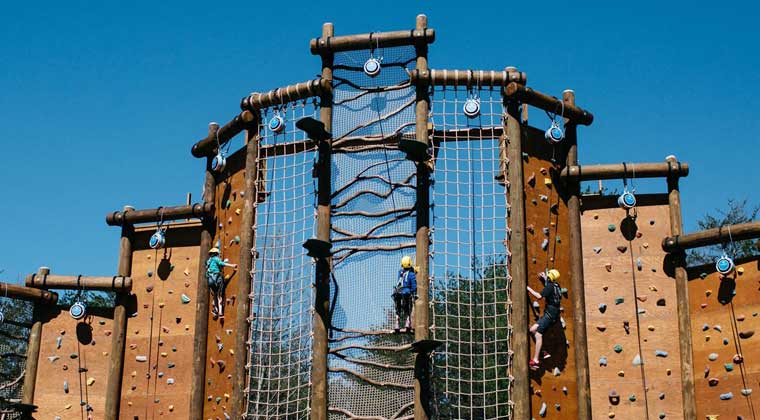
point(403, 294)
point(215, 277)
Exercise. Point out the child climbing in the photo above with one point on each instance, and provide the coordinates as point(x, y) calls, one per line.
point(553, 296)
point(216, 280)
point(403, 294)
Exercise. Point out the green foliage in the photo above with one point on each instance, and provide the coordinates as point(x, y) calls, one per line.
point(14, 336)
point(735, 212)
point(92, 299)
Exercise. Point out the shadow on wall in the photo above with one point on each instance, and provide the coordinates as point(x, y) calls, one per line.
point(555, 343)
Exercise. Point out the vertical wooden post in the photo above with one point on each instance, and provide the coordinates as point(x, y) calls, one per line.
point(198, 386)
point(319, 392)
point(118, 340)
point(247, 240)
point(577, 289)
point(682, 297)
point(422, 237)
point(518, 267)
point(33, 351)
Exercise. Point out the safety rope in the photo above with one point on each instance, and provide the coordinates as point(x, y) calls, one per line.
point(638, 330)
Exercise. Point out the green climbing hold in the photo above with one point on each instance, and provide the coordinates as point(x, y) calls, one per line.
point(237, 239)
point(185, 299)
point(729, 367)
point(618, 348)
point(228, 204)
point(73, 356)
point(525, 155)
point(563, 290)
point(619, 300)
point(171, 267)
point(702, 276)
point(611, 227)
point(632, 398)
point(559, 239)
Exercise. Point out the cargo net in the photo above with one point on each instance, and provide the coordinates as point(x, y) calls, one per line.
point(470, 282)
point(370, 367)
point(14, 337)
point(282, 295)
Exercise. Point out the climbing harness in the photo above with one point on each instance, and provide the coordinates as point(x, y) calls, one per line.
point(554, 134)
point(276, 123)
point(627, 200)
point(158, 239)
point(78, 310)
point(372, 65)
point(725, 264)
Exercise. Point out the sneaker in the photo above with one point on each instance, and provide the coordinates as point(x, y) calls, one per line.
point(545, 355)
point(533, 365)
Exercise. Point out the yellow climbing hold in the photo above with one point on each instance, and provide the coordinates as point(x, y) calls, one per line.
point(164, 354)
point(650, 328)
point(237, 212)
point(712, 417)
point(653, 288)
point(611, 415)
point(621, 373)
point(740, 270)
point(232, 352)
point(226, 396)
point(171, 408)
point(548, 182)
point(133, 374)
point(90, 381)
point(708, 292)
point(68, 406)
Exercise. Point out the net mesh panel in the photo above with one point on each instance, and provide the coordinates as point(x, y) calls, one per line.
point(469, 283)
point(282, 295)
point(370, 368)
point(14, 339)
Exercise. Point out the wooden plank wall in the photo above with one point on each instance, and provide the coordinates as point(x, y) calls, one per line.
point(222, 332)
point(721, 308)
point(160, 326)
point(612, 248)
point(556, 389)
point(83, 345)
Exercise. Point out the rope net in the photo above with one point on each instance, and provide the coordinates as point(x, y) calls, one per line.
point(14, 339)
point(370, 367)
point(469, 279)
point(282, 294)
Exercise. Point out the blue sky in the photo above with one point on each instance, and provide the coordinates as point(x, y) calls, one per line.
point(101, 102)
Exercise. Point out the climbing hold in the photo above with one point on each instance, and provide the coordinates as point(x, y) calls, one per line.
point(746, 334)
point(597, 249)
point(150, 273)
point(608, 267)
point(621, 373)
point(73, 356)
point(632, 397)
point(542, 411)
point(545, 244)
point(627, 327)
point(738, 359)
point(611, 415)
point(564, 390)
point(740, 317)
point(641, 298)
point(650, 327)
point(661, 302)
point(708, 292)
point(661, 415)
point(622, 248)
point(618, 348)
point(53, 358)
point(637, 360)
point(747, 392)
point(603, 361)
point(653, 288)
point(185, 299)
point(660, 353)
point(141, 358)
point(651, 221)
point(718, 328)
point(90, 381)
point(601, 327)
point(605, 287)
point(661, 396)
point(65, 387)
point(170, 365)
point(548, 182)
point(740, 270)
point(726, 396)
point(712, 357)
point(639, 265)
point(729, 367)
point(668, 372)
point(530, 228)
point(556, 371)
point(703, 306)
point(532, 179)
point(611, 227)
point(725, 341)
point(149, 288)
point(236, 239)
point(619, 300)
point(645, 245)
point(558, 239)
point(614, 397)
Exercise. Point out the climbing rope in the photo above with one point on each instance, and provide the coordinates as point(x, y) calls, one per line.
point(150, 338)
point(638, 330)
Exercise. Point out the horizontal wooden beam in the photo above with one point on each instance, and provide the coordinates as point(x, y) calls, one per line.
point(48, 281)
point(29, 294)
point(467, 78)
point(283, 95)
point(119, 218)
point(548, 103)
point(208, 145)
point(333, 44)
point(712, 237)
point(627, 170)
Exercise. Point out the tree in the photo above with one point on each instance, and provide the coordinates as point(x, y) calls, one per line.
point(736, 212)
point(14, 334)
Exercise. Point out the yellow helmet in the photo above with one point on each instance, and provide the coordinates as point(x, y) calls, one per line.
point(406, 262)
point(213, 250)
point(553, 275)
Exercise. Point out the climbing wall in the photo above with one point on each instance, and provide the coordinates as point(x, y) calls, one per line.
point(223, 330)
point(553, 385)
point(73, 364)
point(161, 325)
point(631, 310)
point(724, 322)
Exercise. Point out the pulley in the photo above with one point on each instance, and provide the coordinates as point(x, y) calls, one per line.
point(626, 200)
point(724, 265)
point(372, 67)
point(554, 134)
point(471, 107)
point(218, 162)
point(78, 310)
point(158, 239)
point(276, 124)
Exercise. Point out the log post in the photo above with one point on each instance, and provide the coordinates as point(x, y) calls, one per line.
point(682, 297)
point(319, 392)
point(247, 241)
point(518, 267)
point(198, 386)
point(33, 351)
point(118, 340)
point(422, 243)
point(577, 289)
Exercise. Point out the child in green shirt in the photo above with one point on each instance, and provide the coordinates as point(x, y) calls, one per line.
point(215, 278)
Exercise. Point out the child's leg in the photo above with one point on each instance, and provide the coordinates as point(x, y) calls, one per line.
point(539, 342)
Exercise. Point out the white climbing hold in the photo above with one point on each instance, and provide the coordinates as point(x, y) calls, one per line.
point(556, 371)
point(542, 411)
point(712, 357)
point(637, 360)
point(747, 392)
point(141, 358)
point(597, 249)
point(53, 358)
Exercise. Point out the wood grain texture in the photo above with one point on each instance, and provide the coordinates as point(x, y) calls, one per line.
point(746, 303)
point(545, 386)
point(160, 327)
point(616, 271)
point(222, 331)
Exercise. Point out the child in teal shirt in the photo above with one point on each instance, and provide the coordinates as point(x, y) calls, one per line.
point(215, 277)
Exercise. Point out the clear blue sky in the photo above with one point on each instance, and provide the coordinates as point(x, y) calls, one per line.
point(100, 103)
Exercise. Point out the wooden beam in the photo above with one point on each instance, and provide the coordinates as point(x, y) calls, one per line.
point(47, 281)
point(466, 78)
point(33, 350)
point(578, 292)
point(29, 294)
point(132, 216)
point(548, 103)
point(627, 170)
point(739, 232)
point(208, 145)
point(332, 44)
point(682, 297)
point(286, 94)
